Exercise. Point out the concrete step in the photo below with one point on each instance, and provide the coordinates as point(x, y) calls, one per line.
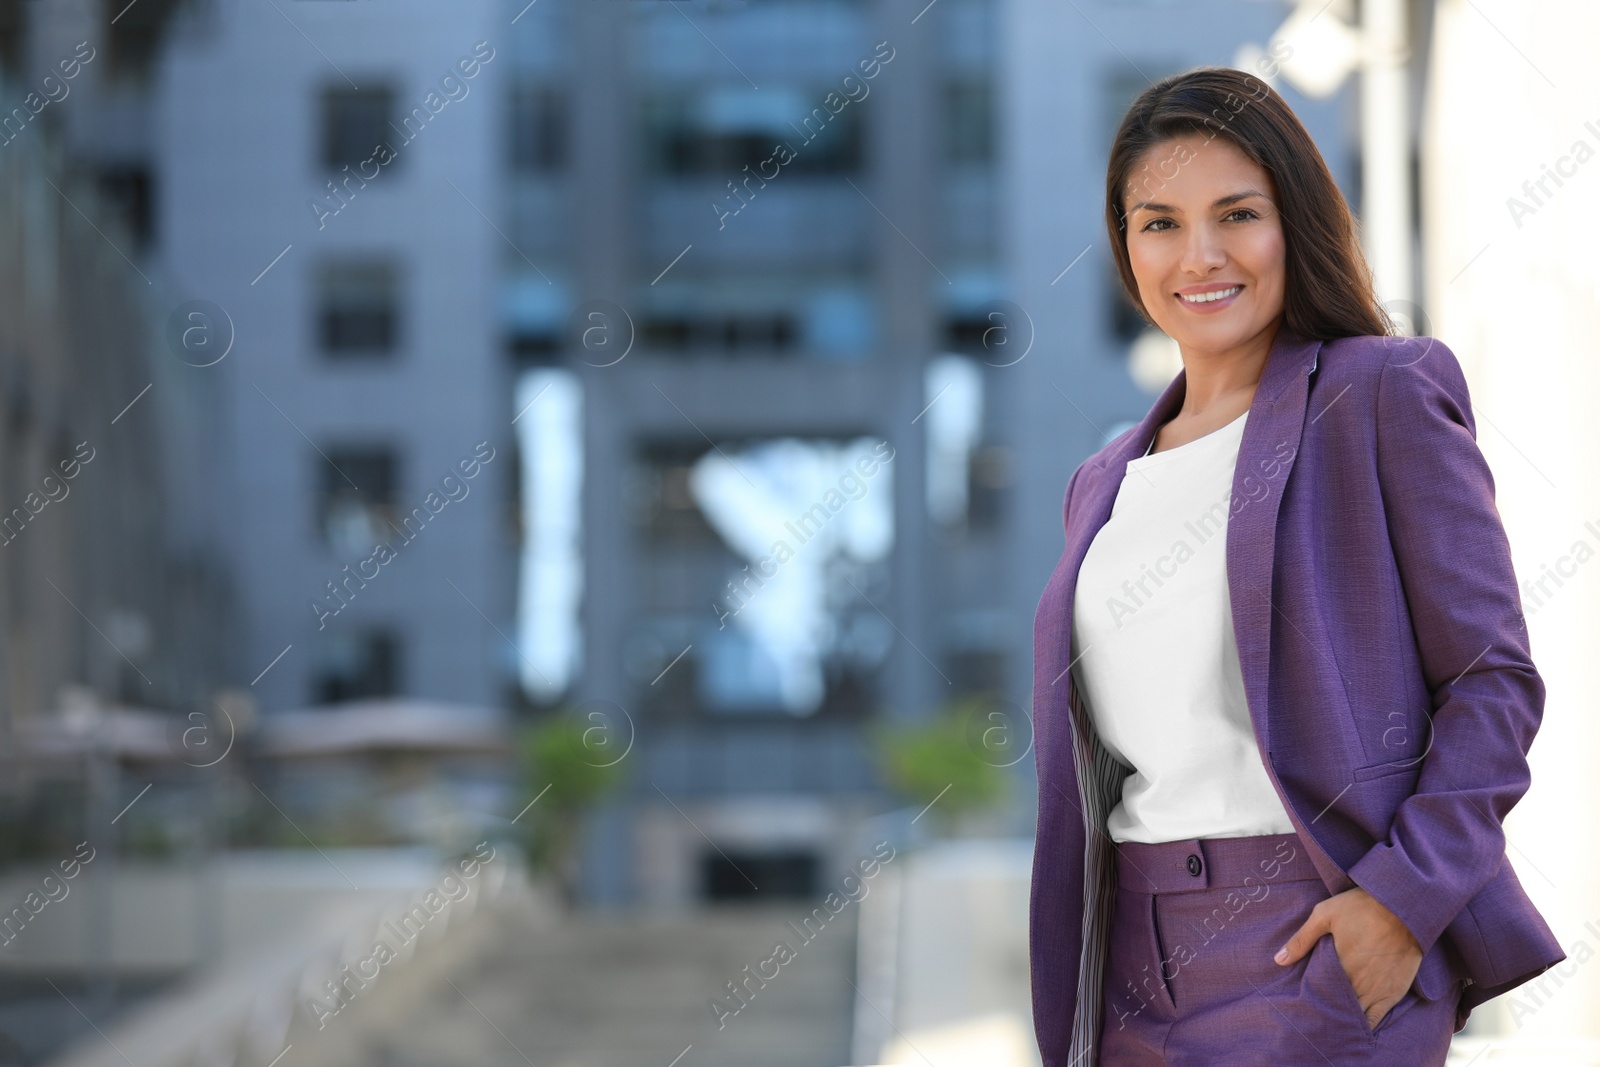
point(596, 991)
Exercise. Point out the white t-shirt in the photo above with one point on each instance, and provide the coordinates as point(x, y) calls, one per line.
point(1155, 657)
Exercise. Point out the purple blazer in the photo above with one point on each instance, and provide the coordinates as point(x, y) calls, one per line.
point(1386, 667)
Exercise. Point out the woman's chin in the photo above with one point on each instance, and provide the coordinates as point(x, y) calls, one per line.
point(1220, 336)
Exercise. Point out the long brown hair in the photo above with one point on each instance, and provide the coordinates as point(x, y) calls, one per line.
point(1328, 290)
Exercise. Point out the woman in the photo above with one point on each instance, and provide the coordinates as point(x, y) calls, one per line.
point(1283, 687)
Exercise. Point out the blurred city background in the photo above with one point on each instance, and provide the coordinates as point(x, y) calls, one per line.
point(520, 522)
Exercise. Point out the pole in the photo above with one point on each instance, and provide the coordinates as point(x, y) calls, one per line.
point(1386, 208)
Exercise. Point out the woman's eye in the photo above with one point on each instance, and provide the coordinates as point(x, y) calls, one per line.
point(1155, 225)
point(1246, 212)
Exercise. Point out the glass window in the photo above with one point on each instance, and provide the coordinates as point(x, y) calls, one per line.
point(356, 498)
point(779, 873)
point(721, 333)
point(969, 128)
point(354, 121)
point(358, 313)
point(538, 128)
point(355, 665)
point(548, 421)
point(766, 557)
point(133, 38)
point(659, 499)
point(721, 131)
point(126, 190)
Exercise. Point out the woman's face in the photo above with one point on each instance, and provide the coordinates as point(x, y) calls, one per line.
point(1202, 220)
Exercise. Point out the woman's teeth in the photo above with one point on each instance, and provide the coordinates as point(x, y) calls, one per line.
point(1206, 298)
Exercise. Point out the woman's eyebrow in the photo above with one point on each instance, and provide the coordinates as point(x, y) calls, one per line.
point(1222, 201)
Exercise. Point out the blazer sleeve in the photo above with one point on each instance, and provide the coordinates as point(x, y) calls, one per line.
point(1446, 841)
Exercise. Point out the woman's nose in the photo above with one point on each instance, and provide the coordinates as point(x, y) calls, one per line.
point(1202, 252)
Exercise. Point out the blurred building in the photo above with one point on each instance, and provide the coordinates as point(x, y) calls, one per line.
point(116, 591)
point(115, 594)
point(365, 395)
point(792, 214)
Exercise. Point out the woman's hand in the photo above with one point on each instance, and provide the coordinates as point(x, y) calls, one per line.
point(1375, 949)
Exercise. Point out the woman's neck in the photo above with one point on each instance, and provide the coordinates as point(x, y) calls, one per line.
point(1215, 381)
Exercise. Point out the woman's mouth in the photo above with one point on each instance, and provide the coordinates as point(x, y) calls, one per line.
point(1212, 301)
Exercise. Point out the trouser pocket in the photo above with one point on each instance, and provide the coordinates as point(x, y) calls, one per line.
point(1332, 984)
point(1166, 966)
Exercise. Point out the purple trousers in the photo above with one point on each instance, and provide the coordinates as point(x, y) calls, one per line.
point(1190, 980)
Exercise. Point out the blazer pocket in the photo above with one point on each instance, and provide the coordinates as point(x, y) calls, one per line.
point(1386, 768)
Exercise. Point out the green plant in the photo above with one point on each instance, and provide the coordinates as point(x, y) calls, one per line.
point(943, 757)
point(150, 840)
point(567, 765)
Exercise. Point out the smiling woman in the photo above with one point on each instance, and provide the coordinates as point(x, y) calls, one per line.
point(1263, 150)
point(1342, 602)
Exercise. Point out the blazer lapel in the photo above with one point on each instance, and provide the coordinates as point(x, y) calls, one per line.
point(1267, 452)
